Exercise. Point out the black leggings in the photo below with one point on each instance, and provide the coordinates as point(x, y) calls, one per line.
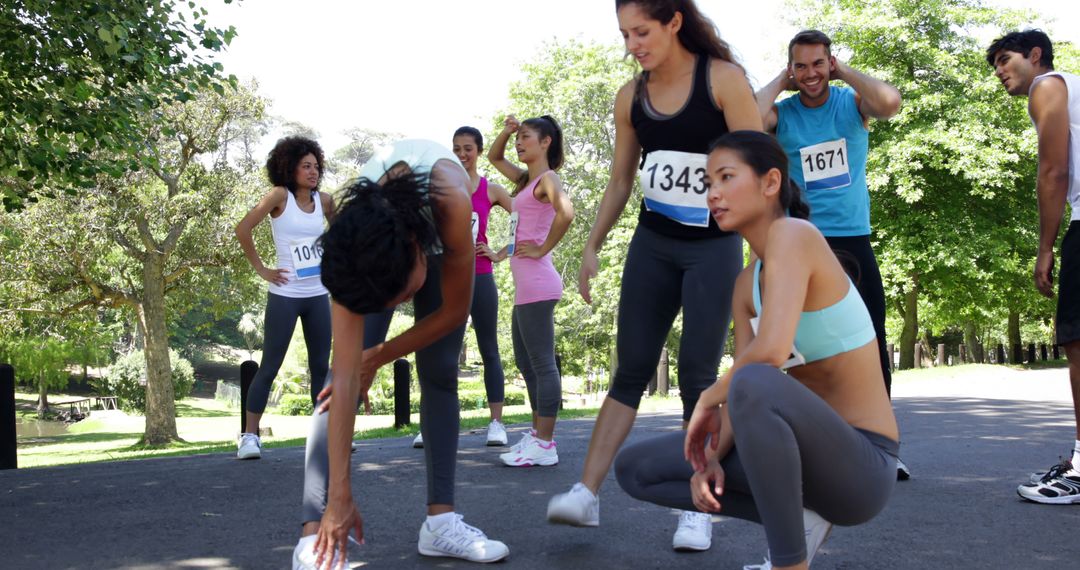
point(791, 450)
point(867, 278)
point(662, 275)
point(437, 370)
point(278, 324)
point(485, 321)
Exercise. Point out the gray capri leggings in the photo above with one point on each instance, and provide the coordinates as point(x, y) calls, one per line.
point(485, 321)
point(791, 450)
point(532, 328)
point(278, 325)
point(436, 368)
point(662, 275)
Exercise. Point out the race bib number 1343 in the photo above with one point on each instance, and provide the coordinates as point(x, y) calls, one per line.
point(675, 186)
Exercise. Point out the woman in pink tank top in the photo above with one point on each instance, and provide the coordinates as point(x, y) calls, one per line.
point(468, 144)
point(541, 214)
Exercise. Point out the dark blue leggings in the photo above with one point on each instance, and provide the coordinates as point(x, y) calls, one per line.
point(278, 325)
point(485, 322)
point(661, 276)
point(791, 450)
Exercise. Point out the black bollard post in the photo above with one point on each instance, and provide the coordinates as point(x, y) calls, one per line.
point(1017, 356)
point(9, 459)
point(962, 353)
point(1001, 354)
point(1031, 352)
point(940, 359)
point(891, 349)
point(1057, 353)
point(248, 368)
point(401, 393)
point(918, 355)
point(1042, 351)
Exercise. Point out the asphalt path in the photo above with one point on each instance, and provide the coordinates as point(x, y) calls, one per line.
point(969, 442)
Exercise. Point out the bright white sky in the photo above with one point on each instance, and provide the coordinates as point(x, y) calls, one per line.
point(398, 65)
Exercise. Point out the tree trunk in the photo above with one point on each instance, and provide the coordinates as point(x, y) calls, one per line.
point(160, 407)
point(43, 399)
point(970, 340)
point(909, 335)
point(1014, 337)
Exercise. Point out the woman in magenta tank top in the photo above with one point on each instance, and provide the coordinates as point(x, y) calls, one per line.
point(468, 144)
point(542, 213)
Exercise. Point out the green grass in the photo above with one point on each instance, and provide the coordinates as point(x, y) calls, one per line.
point(208, 426)
point(965, 369)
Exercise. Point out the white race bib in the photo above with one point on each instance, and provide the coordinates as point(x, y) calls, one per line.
point(795, 359)
point(674, 185)
point(512, 234)
point(306, 256)
point(825, 165)
point(475, 227)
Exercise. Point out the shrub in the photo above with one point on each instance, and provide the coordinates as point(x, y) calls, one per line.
point(126, 376)
point(296, 405)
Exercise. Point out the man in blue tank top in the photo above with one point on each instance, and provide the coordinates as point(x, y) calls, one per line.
point(1024, 63)
point(824, 129)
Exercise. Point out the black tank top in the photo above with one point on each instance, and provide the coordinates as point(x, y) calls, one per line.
point(690, 129)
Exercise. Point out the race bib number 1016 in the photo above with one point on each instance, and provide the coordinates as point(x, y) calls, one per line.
point(825, 165)
point(306, 255)
point(675, 186)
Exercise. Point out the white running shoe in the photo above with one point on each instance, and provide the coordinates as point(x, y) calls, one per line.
point(903, 472)
point(817, 529)
point(694, 532)
point(459, 540)
point(496, 433)
point(303, 556)
point(579, 507)
point(249, 447)
point(1059, 486)
point(525, 439)
point(418, 441)
point(535, 452)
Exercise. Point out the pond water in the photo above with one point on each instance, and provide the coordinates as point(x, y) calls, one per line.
point(31, 428)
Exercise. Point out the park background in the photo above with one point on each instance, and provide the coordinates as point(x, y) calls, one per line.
point(134, 135)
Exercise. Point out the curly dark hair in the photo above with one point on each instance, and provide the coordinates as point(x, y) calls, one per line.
point(375, 239)
point(287, 153)
point(1022, 43)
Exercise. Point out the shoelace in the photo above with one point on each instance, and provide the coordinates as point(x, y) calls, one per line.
point(693, 519)
point(464, 527)
point(1057, 470)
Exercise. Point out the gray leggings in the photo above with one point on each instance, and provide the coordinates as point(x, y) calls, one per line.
point(436, 368)
point(278, 325)
point(532, 328)
point(795, 451)
point(662, 275)
point(485, 321)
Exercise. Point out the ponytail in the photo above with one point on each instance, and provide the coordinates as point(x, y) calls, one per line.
point(545, 126)
point(762, 153)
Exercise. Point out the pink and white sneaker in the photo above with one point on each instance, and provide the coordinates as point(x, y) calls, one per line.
point(534, 452)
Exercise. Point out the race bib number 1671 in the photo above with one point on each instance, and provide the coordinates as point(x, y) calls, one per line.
point(825, 165)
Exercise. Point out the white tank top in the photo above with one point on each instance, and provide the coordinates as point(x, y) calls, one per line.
point(1072, 85)
point(295, 232)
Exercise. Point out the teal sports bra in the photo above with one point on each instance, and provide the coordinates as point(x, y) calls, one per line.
point(840, 327)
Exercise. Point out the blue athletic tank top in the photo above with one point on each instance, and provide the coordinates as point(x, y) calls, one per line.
point(840, 327)
point(673, 152)
point(826, 148)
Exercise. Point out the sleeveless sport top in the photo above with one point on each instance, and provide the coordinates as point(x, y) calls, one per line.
point(295, 232)
point(674, 149)
point(840, 327)
point(420, 155)
point(534, 279)
point(481, 207)
point(1072, 84)
point(826, 148)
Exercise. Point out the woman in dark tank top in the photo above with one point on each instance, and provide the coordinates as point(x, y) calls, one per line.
point(690, 92)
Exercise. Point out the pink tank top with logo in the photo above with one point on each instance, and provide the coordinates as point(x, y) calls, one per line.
point(534, 279)
point(481, 204)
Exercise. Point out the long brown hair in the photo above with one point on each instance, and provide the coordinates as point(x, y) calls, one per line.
point(698, 33)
